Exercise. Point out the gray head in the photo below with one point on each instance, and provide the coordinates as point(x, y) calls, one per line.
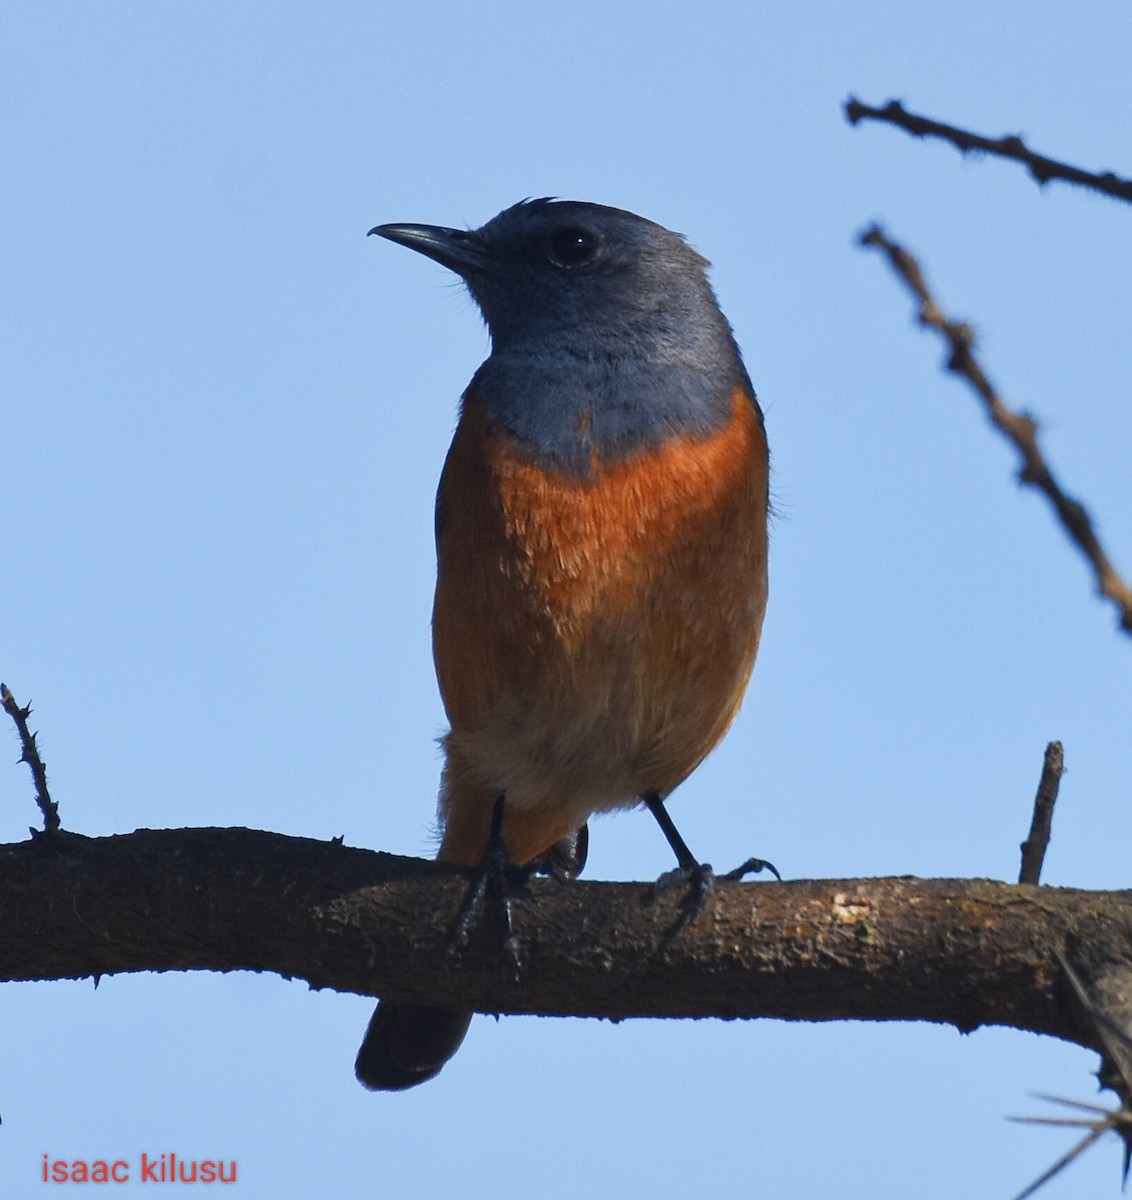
point(595, 311)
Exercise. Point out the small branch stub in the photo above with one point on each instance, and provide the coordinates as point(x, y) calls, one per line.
point(1034, 847)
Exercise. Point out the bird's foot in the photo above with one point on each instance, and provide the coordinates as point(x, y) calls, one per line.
point(698, 877)
point(496, 881)
point(701, 880)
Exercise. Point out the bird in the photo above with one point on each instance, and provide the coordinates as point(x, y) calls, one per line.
point(601, 540)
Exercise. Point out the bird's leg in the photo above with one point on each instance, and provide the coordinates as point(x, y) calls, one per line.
point(699, 876)
point(496, 876)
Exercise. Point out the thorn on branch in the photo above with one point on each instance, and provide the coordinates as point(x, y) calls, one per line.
point(1034, 847)
point(1098, 1125)
point(1018, 428)
point(1041, 168)
point(1115, 1074)
point(30, 755)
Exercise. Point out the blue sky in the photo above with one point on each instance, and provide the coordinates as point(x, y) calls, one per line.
point(224, 414)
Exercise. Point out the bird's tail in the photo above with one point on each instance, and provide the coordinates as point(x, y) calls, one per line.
point(407, 1044)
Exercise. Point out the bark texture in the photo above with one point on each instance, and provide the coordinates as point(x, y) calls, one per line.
point(962, 952)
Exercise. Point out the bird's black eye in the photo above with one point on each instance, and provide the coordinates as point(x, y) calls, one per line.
point(571, 246)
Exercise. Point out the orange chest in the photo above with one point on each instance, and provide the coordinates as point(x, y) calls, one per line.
point(684, 516)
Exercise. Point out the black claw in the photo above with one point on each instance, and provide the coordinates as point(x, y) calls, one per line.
point(752, 867)
point(513, 948)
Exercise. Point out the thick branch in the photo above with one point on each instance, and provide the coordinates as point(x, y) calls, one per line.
point(965, 952)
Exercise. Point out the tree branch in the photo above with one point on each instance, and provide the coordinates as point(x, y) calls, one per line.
point(964, 952)
point(1019, 428)
point(1011, 146)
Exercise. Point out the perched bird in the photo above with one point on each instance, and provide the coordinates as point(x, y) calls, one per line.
point(601, 535)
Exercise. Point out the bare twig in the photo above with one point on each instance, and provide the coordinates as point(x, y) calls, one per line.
point(1041, 168)
point(1034, 847)
point(30, 755)
point(1019, 428)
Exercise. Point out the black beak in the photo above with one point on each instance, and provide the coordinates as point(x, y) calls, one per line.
point(459, 250)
